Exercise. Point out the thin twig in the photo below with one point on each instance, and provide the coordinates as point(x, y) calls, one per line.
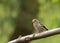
point(36, 36)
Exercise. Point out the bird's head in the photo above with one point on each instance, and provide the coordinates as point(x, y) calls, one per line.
point(35, 21)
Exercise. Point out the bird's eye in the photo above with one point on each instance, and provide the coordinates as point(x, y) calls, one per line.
point(34, 20)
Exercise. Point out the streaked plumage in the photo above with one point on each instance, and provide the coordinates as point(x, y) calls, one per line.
point(38, 26)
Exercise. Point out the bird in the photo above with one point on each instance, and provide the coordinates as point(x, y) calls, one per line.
point(38, 26)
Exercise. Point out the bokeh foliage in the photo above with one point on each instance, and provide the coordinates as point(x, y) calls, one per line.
point(49, 15)
point(8, 13)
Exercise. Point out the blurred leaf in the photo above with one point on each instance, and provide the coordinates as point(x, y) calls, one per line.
point(55, 1)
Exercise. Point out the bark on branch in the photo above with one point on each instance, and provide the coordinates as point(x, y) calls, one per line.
point(36, 36)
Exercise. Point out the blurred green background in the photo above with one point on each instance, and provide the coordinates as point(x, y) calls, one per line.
point(16, 17)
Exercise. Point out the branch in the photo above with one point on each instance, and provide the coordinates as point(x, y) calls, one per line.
point(36, 36)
